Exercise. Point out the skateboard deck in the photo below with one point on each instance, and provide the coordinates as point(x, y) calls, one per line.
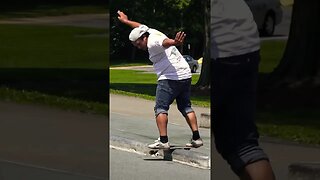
point(154, 151)
point(173, 147)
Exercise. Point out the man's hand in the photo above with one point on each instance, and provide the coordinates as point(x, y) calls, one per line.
point(179, 38)
point(122, 16)
point(177, 41)
point(124, 19)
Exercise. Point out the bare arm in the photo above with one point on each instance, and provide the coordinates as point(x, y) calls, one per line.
point(178, 40)
point(124, 19)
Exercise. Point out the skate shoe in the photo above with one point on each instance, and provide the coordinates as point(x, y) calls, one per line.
point(159, 145)
point(195, 143)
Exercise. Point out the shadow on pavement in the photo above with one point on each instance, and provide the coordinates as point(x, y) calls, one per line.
point(81, 84)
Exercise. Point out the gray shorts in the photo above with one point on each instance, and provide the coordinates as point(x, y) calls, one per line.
point(245, 155)
point(233, 105)
point(170, 90)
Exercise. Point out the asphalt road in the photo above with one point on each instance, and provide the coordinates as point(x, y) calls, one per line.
point(132, 166)
point(52, 138)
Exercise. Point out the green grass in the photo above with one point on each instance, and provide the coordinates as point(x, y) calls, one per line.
point(45, 63)
point(31, 46)
point(271, 52)
point(300, 125)
point(131, 76)
point(34, 97)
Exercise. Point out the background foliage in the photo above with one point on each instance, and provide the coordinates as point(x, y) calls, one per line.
point(167, 16)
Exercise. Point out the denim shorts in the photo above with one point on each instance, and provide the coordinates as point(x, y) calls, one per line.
point(233, 101)
point(170, 90)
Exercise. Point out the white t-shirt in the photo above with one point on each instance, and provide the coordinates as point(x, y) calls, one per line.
point(233, 29)
point(168, 63)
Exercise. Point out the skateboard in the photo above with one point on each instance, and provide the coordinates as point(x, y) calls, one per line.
point(154, 151)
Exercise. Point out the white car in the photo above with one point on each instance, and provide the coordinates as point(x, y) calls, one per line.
point(267, 14)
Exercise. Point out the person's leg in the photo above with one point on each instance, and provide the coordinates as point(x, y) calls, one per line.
point(164, 97)
point(233, 107)
point(192, 121)
point(196, 140)
point(259, 170)
point(162, 123)
point(184, 106)
point(250, 162)
point(184, 103)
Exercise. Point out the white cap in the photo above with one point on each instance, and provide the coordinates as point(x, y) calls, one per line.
point(137, 32)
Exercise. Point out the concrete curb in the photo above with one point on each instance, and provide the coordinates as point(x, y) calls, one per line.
point(187, 157)
point(304, 171)
point(204, 120)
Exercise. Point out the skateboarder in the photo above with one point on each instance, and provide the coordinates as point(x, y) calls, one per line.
point(235, 57)
point(174, 78)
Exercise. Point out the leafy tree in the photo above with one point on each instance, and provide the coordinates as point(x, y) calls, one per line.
point(168, 16)
point(300, 64)
point(295, 82)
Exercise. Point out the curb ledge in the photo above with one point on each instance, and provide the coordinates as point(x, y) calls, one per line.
point(204, 120)
point(186, 157)
point(304, 171)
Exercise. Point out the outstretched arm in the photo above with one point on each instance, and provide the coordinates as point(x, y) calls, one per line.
point(178, 40)
point(124, 19)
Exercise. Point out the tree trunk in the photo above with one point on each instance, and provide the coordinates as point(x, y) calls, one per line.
point(295, 83)
point(300, 64)
point(133, 53)
point(204, 79)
